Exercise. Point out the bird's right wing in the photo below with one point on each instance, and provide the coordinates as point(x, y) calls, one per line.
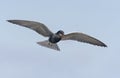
point(83, 38)
point(36, 26)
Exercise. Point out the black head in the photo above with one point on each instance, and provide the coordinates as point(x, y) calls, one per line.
point(60, 32)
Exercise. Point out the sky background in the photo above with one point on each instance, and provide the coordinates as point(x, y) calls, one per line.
point(21, 57)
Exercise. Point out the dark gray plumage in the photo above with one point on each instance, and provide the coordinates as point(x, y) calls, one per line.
point(36, 26)
point(83, 38)
point(56, 37)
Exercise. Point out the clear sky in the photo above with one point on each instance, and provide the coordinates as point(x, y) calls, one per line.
point(21, 57)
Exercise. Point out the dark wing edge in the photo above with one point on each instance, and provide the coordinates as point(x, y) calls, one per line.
point(36, 26)
point(83, 38)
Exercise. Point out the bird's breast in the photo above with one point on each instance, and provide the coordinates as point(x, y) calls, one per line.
point(54, 38)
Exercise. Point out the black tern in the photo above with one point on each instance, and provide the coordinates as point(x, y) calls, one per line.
point(54, 38)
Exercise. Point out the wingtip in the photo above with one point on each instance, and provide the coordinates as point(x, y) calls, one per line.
point(9, 20)
point(103, 45)
point(12, 21)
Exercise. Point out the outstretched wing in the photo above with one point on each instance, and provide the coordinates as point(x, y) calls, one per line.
point(36, 26)
point(83, 38)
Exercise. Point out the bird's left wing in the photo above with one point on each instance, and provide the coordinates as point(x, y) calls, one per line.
point(83, 38)
point(36, 26)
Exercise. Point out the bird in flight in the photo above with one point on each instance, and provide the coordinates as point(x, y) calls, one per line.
point(54, 38)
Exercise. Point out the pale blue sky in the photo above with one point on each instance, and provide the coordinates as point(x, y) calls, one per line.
point(21, 57)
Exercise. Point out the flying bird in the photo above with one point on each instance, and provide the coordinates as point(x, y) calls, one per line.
point(54, 38)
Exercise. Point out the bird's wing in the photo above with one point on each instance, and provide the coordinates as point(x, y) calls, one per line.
point(83, 38)
point(36, 26)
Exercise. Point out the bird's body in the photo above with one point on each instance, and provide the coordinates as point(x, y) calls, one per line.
point(54, 38)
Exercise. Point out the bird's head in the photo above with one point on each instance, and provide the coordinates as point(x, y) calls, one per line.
point(60, 33)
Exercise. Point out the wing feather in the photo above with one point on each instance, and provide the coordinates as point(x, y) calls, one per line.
point(83, 38)
point(36, 26)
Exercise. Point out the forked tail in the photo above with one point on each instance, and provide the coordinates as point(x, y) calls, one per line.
point(47, 44)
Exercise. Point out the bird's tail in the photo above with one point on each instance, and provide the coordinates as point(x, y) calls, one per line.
point(47, 44)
